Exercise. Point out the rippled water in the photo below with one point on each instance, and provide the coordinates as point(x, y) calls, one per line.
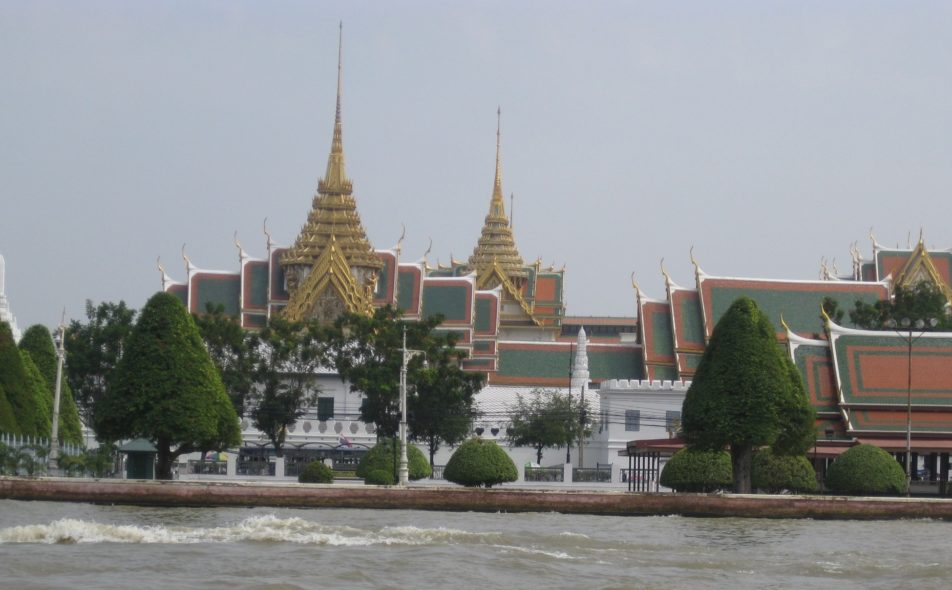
point(52, 545)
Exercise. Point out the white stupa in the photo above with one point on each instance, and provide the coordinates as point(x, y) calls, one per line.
point(5, 314)
point(580, 374)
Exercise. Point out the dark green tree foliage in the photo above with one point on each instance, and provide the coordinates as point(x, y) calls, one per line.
point(742, 386)
point(866, 470)
point(232, 350)
point(289, 354)
point(442, 404)
point(42, 400)
point(381, 465)
point(93, 350)
point(38, 342)
point(923, 301)
point(697, 471)
point(316, 472)
point(775, 473)
point(367, 353)
point(166, 389)
point(546, 418)
point(15, 382)
point(478, 463)
point(8, 422)
point(797, 416)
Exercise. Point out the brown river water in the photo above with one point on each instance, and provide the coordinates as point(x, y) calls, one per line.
point(46, 545)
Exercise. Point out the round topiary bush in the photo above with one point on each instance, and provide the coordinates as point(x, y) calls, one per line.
point(776, 473)
point(698, 471)
point(478, 463)
point(316, 472)
point(866, 470)
point(383, 458)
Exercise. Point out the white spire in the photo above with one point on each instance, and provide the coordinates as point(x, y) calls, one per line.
point(580, 376)
point(5, 314)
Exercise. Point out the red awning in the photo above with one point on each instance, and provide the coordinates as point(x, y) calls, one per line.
point(942, 445)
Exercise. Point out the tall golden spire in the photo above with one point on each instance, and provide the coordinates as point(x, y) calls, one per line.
point(332, 222)
point(335, 180)
point(496, 246)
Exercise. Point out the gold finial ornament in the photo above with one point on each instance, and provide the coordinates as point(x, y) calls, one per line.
point(333, 220)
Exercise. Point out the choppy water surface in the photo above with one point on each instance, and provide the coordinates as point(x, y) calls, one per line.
point(52, 545)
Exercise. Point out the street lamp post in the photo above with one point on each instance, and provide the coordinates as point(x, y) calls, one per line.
point(908, 326)
point(404, 473)
point(60, 341)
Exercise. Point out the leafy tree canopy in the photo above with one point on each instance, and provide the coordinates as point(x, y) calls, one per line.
point(478, 463)
point(866, 470)
point(20, 392)
point(233, 350)
point(285, 363)
point(546, 418)
point(166, 389)
point(924, 301)
point(93, 350)
point(38, 342)
point(745, 393)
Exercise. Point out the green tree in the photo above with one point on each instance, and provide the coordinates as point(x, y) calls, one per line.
point(8, 423)
point(19, 389)
point(922, 301)
point(232, 349)
point(366, 351)
point(775, 473)
point(93, 350)
point(166, 389)
point(478, 463)
point(547, 418)
point(866, 470)
point(691, 470)
point(442, 405)
point(382, 463)
point(289, 354)
point(42, 400)
point(741, 388)
point(38, 342)
point(316, 472)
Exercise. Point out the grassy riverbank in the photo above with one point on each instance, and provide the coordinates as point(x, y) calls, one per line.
point(508, 499)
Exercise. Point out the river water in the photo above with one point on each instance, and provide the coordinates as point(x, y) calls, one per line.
point(57, 545)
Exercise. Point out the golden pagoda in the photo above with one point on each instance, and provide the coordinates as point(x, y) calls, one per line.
point(331, 268)
point(496, 258)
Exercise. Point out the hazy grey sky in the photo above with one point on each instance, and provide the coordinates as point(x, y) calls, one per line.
point(765, 134)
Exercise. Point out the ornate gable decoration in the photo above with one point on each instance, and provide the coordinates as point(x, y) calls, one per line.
point(919, 268)
point(329, 290)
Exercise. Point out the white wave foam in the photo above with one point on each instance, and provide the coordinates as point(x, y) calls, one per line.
point(534, 551)
point(260, 529)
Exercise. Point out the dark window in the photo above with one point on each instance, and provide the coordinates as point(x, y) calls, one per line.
point(325, 408)
point(632, 420)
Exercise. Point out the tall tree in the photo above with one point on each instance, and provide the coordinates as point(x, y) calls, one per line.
point(443, 404)
point(93, 350)
point(743, 391)
point(547, 418)
point(38, 342)
point(18, 386)
point(366, 350)
point(43, 402)
point(288, 356)
point(166, 389)
point(922, 301)
point(232, 349)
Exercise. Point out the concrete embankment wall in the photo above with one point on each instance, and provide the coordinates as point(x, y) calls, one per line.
point(150, 493)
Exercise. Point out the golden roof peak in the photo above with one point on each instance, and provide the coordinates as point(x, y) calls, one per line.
point(496, 244)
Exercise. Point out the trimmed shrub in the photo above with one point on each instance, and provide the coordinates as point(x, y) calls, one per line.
point(776, 473)
point(866, 470)
point(316, 472)
point(697, 471)
point(478, 463)
point(385, 457)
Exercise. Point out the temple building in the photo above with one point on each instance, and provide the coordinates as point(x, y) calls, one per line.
point(509, 315)
point(5, 314)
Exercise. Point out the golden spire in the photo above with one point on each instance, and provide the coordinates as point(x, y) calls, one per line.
point(333, 219)
point(496, 246)
point(335, 180)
